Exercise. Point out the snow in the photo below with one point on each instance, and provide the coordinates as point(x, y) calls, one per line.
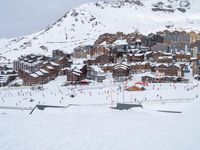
point(50, 67)
point(39, 73)
point(120, 42)
point(44, 71)
point(34, 75)
point(90, 123)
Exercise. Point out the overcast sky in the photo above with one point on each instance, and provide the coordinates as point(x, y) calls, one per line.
point(22, 17)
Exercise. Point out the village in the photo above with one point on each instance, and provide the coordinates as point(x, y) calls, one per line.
point(164, 57)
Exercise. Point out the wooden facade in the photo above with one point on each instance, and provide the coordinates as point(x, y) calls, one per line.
point(171, 70)
point(121, 70)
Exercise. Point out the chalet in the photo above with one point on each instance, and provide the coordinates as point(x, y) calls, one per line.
point(158, 54)
point(183, 57)
point(140, 67)
point(74, 76)
point(104, 59)
point(99, 50)
point(136, 57)
point(48, 65)
point(63, 62)
point(165, 59)
point(53, 72)
point(120, 71)
point(77, 72)
point(64, 71)
point(168, 70)
point(150, 78)
point(36, 78)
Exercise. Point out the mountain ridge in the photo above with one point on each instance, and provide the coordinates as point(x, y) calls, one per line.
point(84, 24)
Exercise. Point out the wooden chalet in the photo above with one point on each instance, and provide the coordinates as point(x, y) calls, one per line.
point(136, 57)
point(74, 76)
point(120, 71)
point(165, 59)
point(37, 78)
point(158, 54)
point(168, 70)
point(140, 67)
point(183, 57)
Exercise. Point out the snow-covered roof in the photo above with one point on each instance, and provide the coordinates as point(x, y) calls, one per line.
point(120, 42)
point(138, 54)
point(54, 64)
point(34, 75)
point(44, 71)
point(50, 67)
point(39, 73)
point(76, 73)
point(165, 57)
point(66, 68)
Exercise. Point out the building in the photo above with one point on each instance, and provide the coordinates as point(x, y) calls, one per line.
point(35, 78)
point(183, 57)
point(29, 63)
point(140, 67)
point(120, 71)
point(74, 76)
point(163, 70)
point(165, 59)
point(60, 54)
point(138, 57)
point(7, 76)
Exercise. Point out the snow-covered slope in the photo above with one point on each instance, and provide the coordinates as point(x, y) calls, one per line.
point(84, 24)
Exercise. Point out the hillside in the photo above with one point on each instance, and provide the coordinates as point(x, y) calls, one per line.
point(84, 24)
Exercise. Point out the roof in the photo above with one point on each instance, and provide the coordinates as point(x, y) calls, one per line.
point(34, 75)
point(44, 71)
point(76, 73)
point(121, 67)
point(50, 67)
point(165, 57)
point(54, 64)
point(39, 73)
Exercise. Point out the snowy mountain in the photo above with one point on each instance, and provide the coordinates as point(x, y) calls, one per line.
point(84, 24)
